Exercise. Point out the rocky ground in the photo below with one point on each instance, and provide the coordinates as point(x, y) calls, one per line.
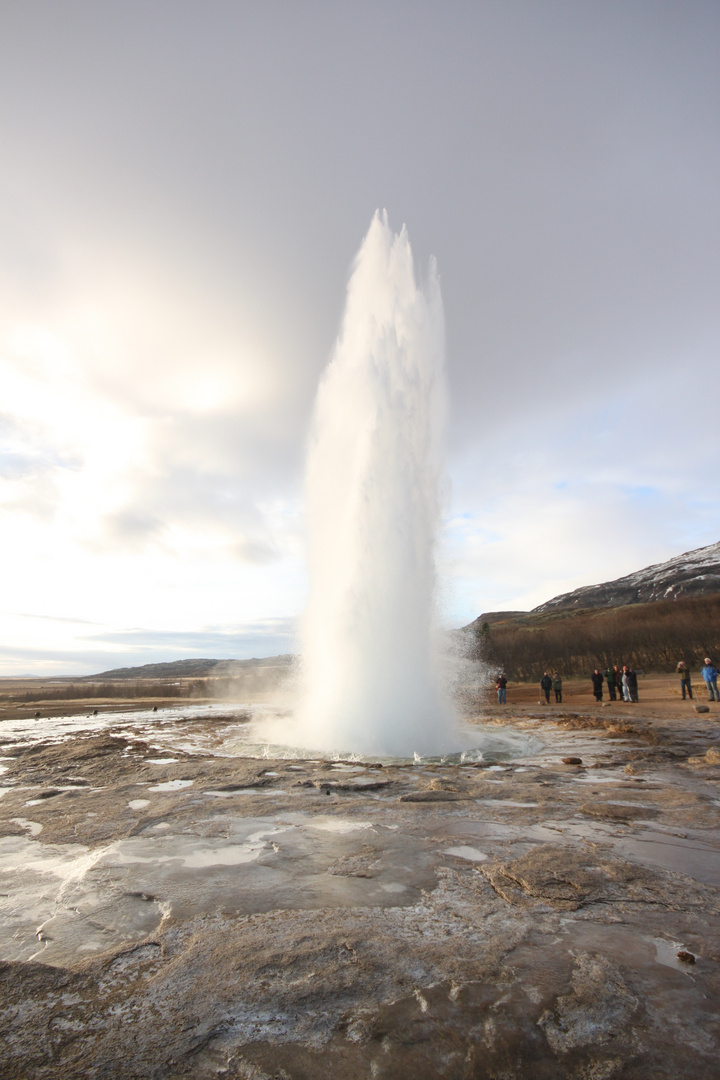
point(168, 913)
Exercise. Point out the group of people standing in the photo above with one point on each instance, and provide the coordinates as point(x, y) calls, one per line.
point(709, 676)
point(622, 683)
point(551, 682)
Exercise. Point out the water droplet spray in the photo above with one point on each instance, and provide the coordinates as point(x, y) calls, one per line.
point(370, 677)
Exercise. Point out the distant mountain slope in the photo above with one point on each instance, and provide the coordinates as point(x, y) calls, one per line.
point(695, 573)
point(184, 669)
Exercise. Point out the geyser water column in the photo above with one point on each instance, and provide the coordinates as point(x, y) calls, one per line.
point(370, 680)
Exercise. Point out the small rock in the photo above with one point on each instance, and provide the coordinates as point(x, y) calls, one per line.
point(712, 756)
point(701, 708)
point(572, 761)
point(686, 957)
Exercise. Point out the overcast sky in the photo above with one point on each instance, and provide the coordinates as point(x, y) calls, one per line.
point(184, 186)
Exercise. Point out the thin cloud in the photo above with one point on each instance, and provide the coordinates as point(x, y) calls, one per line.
point(179, 214)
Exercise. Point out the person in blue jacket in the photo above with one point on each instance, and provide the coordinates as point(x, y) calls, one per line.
point(710, 675)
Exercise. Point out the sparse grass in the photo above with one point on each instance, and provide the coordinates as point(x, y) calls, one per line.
point(67, 690)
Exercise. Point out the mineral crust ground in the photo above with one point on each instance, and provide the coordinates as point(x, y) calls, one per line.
point(169, 912)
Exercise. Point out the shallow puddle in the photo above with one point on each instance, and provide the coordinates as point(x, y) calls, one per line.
point(600, 778)
point(243, 791)
point(645, 843)
point(666, 952)
point(685, 856)
point(33, 827)
point(171, 785)
point(470, 854)
point(66, 899)
point(338, 824)
point(506, 802)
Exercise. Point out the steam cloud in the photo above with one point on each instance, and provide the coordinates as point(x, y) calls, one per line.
point(370, 681)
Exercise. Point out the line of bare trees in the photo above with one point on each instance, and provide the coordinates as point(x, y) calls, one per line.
point(140, 688)
point(650, 637)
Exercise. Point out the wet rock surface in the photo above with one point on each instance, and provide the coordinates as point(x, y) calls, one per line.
point(168, 912)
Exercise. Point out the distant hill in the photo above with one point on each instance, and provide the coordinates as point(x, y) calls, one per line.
point(695, 573)
point(188, 669)
point(650, 619)
point(650, 637)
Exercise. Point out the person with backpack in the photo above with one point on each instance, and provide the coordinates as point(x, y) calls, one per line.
point(546, 686)
point(557, 687)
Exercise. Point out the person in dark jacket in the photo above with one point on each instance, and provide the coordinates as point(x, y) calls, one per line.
point(610, 680)
point(632, 684)
point(684, 673)
point(597, 681)
point(501, 687)
point(557, 687)
point(546, 686)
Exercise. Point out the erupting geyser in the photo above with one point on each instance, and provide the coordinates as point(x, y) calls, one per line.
point(370, 678)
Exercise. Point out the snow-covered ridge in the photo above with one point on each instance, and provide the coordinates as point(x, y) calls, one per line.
point(695, 573)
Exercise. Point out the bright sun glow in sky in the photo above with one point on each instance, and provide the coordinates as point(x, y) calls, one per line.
point(184, 187)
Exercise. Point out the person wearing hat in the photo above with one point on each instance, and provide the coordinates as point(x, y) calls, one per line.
point(710, 675)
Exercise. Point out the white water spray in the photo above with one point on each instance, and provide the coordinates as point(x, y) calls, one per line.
point(370, 679)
